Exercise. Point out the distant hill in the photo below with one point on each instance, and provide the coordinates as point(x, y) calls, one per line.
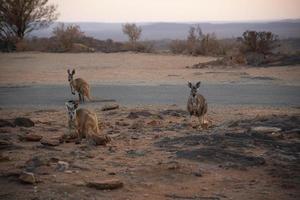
point(161, 30)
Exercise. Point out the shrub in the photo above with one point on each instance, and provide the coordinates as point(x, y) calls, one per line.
point(258, 42)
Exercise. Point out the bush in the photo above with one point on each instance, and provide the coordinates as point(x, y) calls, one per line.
point(198, 43)
point(178, 46)
point(258, 42)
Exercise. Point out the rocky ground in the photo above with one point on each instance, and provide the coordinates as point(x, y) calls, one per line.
point(155, 153)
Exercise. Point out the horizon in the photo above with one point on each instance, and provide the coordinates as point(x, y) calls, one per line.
point(292, 20)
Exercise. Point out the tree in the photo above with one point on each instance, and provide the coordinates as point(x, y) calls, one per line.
point(259, 42)
point(66, 36)
point(19, 17)
point(133, 32)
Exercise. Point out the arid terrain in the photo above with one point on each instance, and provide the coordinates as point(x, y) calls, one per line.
point(156, 152)
point(131, 68)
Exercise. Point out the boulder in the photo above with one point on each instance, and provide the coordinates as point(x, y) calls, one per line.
point(23, 121)
point(105, 184)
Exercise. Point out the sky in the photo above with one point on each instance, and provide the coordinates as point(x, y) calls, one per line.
point(176, 10)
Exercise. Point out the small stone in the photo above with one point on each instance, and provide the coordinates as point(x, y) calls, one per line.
point(62, 166)
point(122, 123)
point(4, 158)
point(6, 123)
point(154, 123)
point(110, 107)
point(23, 121)
point(4, 144)
point(28, 177)
point(31, 137)
point(50, 142)
point(79, 183)
point(265, 129)
point(80, 165)
point(105, 184)
point(43, 170)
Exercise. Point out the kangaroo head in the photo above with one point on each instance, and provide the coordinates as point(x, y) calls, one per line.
point(194, 88)
point(70, 75)
point(71, 108)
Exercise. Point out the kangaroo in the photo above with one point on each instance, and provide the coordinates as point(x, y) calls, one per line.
point(196, 104)
point(85, 123)
point(79, 85)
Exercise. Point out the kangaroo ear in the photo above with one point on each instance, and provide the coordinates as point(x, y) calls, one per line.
point(190, 84)
point(73, 71)
point(198, 84)
point(68, 71)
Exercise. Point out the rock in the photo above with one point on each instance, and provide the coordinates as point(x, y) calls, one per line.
point(5, 123)
point(135, 153)
point(122, 123)
point(36, 162)
point(265, 129)
point(62, 166)
point(110, 107)
point(137, 125)
point(4, 158)
point(43, 170)
point(154, 123)
point(4, 144)
point(28, 177)
point(23, 121)
point(80, 165)
point(50, 142)
point(135, 115)
point(31, 137)
point(79, 183)
point(105, 184)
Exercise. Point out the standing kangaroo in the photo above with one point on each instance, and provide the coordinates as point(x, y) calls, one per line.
point(85, 123)
point(196, 104)
point(79, 85)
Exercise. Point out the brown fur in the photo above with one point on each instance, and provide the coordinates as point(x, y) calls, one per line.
point(79, 85)
point(82, 87)
point(196, 104)
point(86, 123)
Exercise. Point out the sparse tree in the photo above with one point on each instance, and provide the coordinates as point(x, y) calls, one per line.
point(259, 42)
point(133, 32)
point(67, 35)
point(19, 17)
point(194, 40)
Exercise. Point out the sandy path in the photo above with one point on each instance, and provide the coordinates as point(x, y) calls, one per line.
point(129, 68)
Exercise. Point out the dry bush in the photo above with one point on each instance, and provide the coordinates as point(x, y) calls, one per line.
point(178, 46)
point(198, 43)
point(258, 42)
point(66, 36)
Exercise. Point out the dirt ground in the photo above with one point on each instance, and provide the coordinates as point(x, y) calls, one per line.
point(157, 153)
point(130, 68)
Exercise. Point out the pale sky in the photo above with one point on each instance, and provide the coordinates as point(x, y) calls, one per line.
point(176, 10)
